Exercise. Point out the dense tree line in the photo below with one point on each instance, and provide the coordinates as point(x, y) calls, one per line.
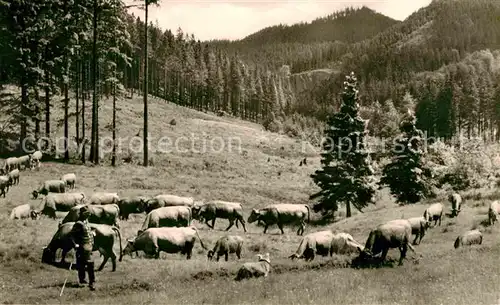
point(94, 49)
point(305, 46)
point(407, 61)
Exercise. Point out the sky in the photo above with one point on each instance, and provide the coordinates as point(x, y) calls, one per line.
point(235, 19)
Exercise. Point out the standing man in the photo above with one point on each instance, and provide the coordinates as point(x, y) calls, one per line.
point(83, 238)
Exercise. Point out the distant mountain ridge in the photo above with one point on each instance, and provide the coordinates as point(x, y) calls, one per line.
point(349, 25)
point(308, 46)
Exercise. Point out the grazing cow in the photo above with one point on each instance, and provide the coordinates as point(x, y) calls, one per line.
point(13, 177)
point(100, 214)
point(132, 205)
point(11, 164)
point(176, 216)
point(434, 212)
point(232, 211)
point(255, 269)
point(104, 239)
point(170, 240)
point(52, 186)
point(70, 180)
point(60, 202)
point(418, 227)
point(282, 214)
point(456, 204)
point(493, 212)
point(25, 161)
point(165, 200)
point(4, 185)
point(472, 237)
point(100, 198)
point(23, 211)
point(324, 243)
point(225, 245)
point(36, 157)
point(393, 234)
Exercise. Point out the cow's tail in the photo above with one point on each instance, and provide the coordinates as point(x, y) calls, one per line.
point(120, 240)
point(308, 213)
point(197, 234)
point(411, 247)
point(147, 220)
point(300, 250)
point(83, 198)
point(190, 216)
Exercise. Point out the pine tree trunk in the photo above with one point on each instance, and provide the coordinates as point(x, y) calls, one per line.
point(93, 144)
point(348, 210)
point(145, 147)
point(77, 98)
point(165, 94)
point(66, 127)
point(84, 89)
point(24, 114)
point(37, 115)
point(113, 157)
point(47, 105)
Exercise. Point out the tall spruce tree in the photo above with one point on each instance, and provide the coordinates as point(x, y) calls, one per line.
point(346, 173)
point(405, 174)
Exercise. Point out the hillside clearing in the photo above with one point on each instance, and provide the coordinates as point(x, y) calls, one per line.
point(442, 276)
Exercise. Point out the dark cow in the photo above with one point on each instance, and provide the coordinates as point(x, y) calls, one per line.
point(131, 205)
point(393, 234)
point(226, 245)
point(282, 214)
point(232, 211)
point(104, 239)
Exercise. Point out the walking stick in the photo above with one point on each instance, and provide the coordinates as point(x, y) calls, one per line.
point(62, 289)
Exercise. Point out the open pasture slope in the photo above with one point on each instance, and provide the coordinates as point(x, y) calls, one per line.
point(266, 171)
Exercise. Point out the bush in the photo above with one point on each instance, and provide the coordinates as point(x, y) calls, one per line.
point(469, 166)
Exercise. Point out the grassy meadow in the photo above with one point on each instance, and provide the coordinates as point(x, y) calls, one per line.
point(265, 171)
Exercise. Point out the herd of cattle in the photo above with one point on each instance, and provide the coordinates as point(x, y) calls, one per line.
point(168, 224)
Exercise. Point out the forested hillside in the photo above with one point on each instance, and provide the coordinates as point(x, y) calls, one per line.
point(442, 60)
point(306, 46)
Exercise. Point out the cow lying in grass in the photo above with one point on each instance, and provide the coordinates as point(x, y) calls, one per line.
point(255, 269)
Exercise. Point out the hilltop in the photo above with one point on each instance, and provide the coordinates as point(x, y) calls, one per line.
point(349, 26)
point(289, 44)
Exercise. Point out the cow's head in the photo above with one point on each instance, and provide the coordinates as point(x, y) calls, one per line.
point(254, 216)
point(352, 246)
point(150, 205)
point(364, 253)
point(34, 214)
point(129, 248)
point(48, 256)
point(210, 255)
point(141, 207)
point(196, 211)
point(428, 218)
